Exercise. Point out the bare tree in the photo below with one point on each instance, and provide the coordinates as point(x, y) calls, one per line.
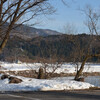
point(50, 68)
point(70, 28)
point(50, 65)
point(92, 23)
point(12, 11)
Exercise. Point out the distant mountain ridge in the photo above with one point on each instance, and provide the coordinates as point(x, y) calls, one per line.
point(25, 31)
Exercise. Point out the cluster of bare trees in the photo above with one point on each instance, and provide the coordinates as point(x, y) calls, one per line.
point(92, 23)
point(12, 12)
point(17, 12)
point(47, 70)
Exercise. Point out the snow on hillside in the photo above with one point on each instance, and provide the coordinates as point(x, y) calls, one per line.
point(31, 84)
point(65, 68)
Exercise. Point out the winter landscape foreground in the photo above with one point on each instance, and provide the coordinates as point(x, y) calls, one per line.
point(32, 84)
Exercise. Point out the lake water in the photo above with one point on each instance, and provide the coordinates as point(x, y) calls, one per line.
point(95, 80)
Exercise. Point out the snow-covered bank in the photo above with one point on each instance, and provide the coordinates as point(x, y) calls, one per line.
point(30, 84)
point(65, 68)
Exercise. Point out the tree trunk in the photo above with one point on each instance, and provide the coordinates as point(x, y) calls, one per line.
point(6, 37)
point(78, 74)
point(3, 44)
point(81, 69)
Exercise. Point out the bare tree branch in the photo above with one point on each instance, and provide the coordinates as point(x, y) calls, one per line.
point(92, 24)
point(11, 12)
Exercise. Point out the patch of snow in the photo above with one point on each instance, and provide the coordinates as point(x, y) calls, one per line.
point(31, 84)
point(65, 68)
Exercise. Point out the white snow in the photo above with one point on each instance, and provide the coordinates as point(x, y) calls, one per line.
point(31, 84)
point(18, 67)
point(65, 68)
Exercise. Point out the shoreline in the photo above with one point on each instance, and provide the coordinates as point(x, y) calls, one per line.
point(34, 74)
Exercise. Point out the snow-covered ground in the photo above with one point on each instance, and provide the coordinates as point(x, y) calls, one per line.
point(31, 84)
point(65, 68)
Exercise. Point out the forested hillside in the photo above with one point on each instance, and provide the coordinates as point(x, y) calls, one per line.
point(69, 48)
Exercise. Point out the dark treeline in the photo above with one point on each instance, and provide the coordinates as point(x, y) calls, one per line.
point(69, 48)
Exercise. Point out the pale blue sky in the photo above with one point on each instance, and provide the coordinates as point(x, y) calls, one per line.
point(67, 14)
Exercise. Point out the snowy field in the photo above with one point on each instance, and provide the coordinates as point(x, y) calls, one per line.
point(65, 68)
point(32, 84)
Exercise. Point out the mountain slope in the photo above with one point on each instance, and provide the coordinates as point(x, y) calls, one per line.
point(30, 32)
